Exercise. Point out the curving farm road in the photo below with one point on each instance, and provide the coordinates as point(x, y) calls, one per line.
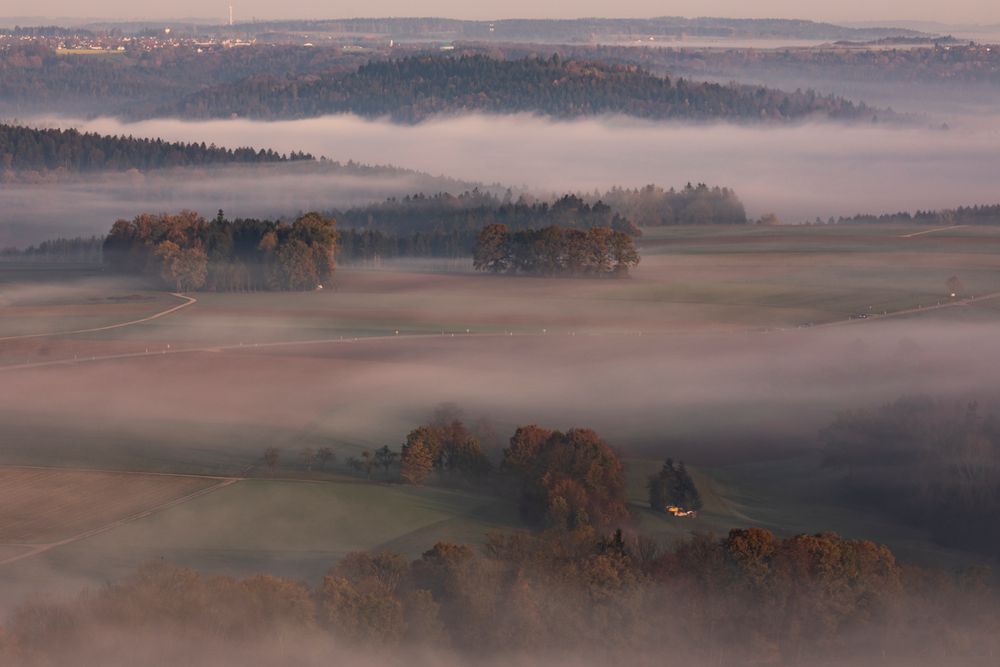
point(188, 300)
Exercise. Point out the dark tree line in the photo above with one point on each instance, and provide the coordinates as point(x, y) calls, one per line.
point(186, 252)
point(934, 463)
point(988, 214)
point(79, 249)
point(41, 150)
point(746, 598)
point(415, 88)
point(551, 251)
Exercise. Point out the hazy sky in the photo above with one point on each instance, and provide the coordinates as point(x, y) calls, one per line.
point(982, 11)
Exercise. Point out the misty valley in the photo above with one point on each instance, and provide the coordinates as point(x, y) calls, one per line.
point(547, 341)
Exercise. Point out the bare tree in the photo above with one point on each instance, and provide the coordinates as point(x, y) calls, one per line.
point(272, 456)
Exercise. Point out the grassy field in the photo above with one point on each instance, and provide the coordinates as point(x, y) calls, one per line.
point(42, 506)
point(703, 354)
point(295, 528)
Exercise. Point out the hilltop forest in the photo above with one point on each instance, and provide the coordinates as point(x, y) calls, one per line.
point(412, 89)
point(25, 149)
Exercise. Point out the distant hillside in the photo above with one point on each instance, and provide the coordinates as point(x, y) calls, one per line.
point(413, 89)
point(41, 150)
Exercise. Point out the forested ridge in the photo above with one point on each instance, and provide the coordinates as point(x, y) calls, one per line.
point(415, 88)
point(35, 77)
point(49, 149)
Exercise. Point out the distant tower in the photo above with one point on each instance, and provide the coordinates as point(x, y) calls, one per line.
point(230, 14)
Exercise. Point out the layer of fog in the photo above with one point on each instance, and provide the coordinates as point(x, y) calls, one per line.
point(714, 397)
point(89, 205)
point(800, 172)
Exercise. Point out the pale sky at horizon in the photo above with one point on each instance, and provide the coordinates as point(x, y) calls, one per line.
point(956, 11)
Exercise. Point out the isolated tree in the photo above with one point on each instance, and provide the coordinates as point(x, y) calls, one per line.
point(272, 457)
point(324, 455)
point(420, 452)
point(385, 458)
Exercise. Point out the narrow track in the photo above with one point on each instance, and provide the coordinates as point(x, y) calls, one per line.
point(188, 300)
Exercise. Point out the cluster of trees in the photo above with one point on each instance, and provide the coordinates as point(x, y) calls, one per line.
point(745, 598)
point(415, 88)
point(653, 206)
point(443, 447)
point(186, 252)
point(446, 225)
point(673, 486)
point(564, 480)
point(42, 150)
point(599, 251)
point(568, 481)
point(934, 463)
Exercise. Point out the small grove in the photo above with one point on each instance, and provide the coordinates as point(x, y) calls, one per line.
point(186, 252)
point(598, 251)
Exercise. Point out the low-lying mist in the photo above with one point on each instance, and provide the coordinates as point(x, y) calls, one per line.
point(800, 172)
point(89, 204)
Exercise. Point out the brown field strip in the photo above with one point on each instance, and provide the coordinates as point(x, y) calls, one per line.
point(42, 507)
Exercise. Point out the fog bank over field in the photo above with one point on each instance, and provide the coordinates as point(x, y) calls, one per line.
point(87, 205)
point(799, 172)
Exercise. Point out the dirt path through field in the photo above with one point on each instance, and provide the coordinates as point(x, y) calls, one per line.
point(188, 300)
point(409, 337)
point(36, 549)
point(931, 231)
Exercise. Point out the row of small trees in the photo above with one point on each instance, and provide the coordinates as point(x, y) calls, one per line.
point(564, 480)
point(186, 252)
point(598, 251)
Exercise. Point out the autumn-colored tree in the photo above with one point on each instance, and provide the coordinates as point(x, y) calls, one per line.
point(420, 452)
point(525, 445)
point(358, 613)
point(576, 480)
point(492, 252)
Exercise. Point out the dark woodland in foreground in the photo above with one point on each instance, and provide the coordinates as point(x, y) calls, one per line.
point(747, 598)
